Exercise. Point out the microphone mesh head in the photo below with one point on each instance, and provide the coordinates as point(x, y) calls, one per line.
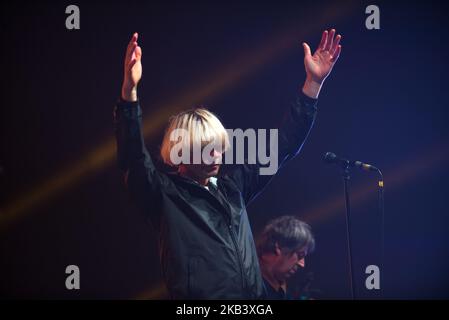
point(329, 157)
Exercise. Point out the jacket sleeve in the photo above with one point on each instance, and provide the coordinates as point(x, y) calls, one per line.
point(140, 175)
point(291, 137)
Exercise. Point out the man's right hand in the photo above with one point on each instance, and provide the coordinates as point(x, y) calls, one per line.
point(132, 70)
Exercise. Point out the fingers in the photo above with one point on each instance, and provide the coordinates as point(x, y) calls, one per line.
point(334, 48)
point(330, 39)
point(130, 52)
point(336, 54)
point(136, 56)
point(131, 64)
point(133, 38)
point(306, 49)
point(331, 44)
point(328, 43)
point(138, 53)
point(131, 46)
point(323, 41)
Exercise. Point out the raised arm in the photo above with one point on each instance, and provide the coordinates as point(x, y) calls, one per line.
point(298, 123)
point(132, 72)
point(141, 176)
point(300, 117)
point(319, 65)
point(128, 115)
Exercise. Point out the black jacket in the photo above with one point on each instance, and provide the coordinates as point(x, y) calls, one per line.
point(206, 245)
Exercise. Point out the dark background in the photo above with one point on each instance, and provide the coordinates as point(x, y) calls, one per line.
point(62, 197)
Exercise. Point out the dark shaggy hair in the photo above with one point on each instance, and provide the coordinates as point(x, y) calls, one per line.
point(289, 233)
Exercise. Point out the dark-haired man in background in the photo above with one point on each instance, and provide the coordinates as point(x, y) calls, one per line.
point(282, 248)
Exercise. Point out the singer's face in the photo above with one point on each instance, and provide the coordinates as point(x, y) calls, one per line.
point(289, 262)
point(204, 170)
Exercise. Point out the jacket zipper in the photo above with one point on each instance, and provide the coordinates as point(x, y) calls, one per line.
point(239, 258)
point(232, 232)
point(234, 240)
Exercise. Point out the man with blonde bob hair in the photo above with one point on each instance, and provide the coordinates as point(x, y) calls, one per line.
point(196, 137)
point(207, 249)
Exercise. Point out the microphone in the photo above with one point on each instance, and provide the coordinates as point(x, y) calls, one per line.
point(332, 158)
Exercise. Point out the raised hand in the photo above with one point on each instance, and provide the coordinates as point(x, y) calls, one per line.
point(132, 69)
point(320, 64)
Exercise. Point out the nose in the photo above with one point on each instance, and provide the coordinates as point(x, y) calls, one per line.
point(302, 262)
point(215, 154)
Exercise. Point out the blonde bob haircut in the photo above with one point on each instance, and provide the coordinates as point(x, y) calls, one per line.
point(202, 128)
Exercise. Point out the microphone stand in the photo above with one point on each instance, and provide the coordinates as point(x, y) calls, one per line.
point(345, 166)
point(346, 176)
point(382, 226)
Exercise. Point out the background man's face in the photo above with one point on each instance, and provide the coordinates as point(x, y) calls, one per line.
point(289, 262)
